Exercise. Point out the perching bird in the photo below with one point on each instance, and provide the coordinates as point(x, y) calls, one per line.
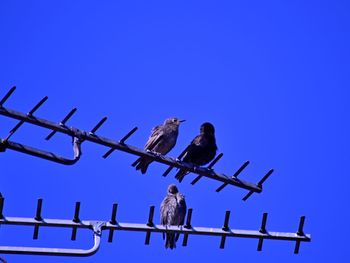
point(172, 212)
point(162, 140)
point(201, 150)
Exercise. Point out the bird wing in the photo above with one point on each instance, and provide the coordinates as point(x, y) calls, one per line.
point(181, 212)
point(154, 139)
point(201, 150)
point(182, 209)
point(193, 149)
point(168, 210)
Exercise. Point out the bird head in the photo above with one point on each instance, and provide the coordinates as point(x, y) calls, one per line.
point(207, 128)
point(173, 120)
point(172, 189)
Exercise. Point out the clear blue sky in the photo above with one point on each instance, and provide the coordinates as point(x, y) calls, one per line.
point(273, 76)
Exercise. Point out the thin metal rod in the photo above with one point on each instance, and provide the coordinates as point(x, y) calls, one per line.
point(222, 242)
point(301, 226)
point(297, 247)
point(122, 141)
point(62, 123)
point(76, 219)
point(150, 224)
point(260, 244)
point(185, 240)
point(225, 228)
point(108, 153)
point(171, 167)
point(37, 106)
point(187, 226)
point(300, 232)
point(150, 216)
point(68, 116)
point(38, 218)
point(167, 171)
point(263, 224)
point(131, 149)
point(29, 114)
point(113, 222)
point(98, 125)
point(245, 198)
point(259, 184)
point(217, 158)
point(209, 167)
point(148, 237)
point(262, 231)
point(195, 180)
point(226, 221)
point(8, 94)
point(114, 214)
point(189, 218)
point(2, 201)
point(235, 175)
point(38, 210)
point(265, 177)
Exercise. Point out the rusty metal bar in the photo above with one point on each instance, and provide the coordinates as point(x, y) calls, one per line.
point(74, 132)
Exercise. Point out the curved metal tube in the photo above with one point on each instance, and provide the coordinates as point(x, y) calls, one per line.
point(5, 144)
point(55, 251)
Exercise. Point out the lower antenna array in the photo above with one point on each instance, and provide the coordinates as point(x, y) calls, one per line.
point(98, 226)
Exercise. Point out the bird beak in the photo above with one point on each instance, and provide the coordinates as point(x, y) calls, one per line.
point(182, 120)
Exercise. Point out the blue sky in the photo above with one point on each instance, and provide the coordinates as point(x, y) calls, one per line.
point(271, 76)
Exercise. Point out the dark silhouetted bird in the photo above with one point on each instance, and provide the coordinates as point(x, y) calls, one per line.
point(172, 213)
point(201, 150)
point(162, 140)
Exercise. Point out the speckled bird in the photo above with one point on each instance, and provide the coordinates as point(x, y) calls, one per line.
point(172, 213)
point(163, 138)
point(201, 150)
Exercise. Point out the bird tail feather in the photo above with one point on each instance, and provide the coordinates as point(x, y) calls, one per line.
point(143, 165)
point(170, 241)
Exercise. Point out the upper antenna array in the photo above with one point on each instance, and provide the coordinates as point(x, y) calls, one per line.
point(79, 136)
